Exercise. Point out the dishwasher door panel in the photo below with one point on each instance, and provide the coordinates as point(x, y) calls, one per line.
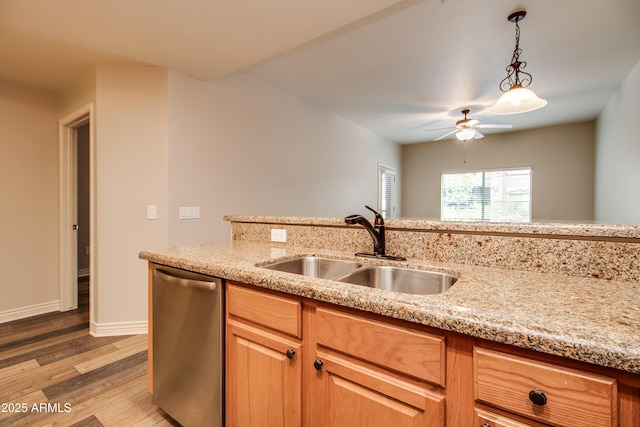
point(188, 335)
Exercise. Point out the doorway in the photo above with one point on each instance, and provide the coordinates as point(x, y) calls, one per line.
point(83, 192)
point(76, 227)
point(387, 198)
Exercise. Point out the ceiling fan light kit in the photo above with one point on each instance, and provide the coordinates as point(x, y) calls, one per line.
point(466, 128)
point(466, 134)
point(517, 98)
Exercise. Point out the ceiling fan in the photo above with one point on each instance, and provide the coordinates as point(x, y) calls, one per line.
point(467, 129)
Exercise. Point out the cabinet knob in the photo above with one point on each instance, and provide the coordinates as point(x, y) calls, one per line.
point(290, 354)
point(537, 397)
point(486, 425)
point(318, 364)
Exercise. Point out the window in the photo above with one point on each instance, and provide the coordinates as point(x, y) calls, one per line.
point(386, 191)
point(493, 195)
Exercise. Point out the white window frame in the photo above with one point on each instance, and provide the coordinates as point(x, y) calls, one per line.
point(485, 199)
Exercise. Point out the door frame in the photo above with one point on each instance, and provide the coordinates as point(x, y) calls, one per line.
point(68, 207)
point(382, 170)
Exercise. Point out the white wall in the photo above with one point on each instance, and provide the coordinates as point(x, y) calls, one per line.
point(131, 173)
point(242, 147)
point(29, 199)
point(618, 155)
point(561, 158)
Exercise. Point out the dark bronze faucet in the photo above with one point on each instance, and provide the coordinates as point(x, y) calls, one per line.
point(377, 234)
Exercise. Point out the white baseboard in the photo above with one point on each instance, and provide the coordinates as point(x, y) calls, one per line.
point(32, 310)
point(119, 328)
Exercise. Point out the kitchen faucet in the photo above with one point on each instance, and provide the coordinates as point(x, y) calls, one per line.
point(377, 234)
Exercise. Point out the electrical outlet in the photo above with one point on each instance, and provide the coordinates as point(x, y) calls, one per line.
point(278, 235)
point(278, 252)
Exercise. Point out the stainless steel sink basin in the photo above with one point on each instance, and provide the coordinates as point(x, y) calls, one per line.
point(397, 279)
point(409, 281)
point(323, 268)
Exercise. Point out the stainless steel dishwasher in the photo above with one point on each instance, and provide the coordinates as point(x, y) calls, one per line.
point(188, 346)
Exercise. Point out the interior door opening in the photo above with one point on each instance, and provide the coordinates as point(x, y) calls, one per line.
point(83, 247)
point(76, 213)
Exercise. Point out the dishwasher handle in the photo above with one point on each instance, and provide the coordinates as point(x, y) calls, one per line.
point(187, 283)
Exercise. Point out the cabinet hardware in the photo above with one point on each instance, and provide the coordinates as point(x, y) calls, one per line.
point(537, 397)
point(290, 354)
point(318, 364)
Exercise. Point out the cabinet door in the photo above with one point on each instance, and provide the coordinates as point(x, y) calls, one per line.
point(264, 381)
point(352, 393)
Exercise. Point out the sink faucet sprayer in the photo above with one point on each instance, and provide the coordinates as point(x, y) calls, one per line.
point(377, 234)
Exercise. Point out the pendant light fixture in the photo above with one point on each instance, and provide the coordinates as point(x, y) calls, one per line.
point(517, 98)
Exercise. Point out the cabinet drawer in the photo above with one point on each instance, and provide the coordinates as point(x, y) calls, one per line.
point(405, 350)
point(485, 418)
point(573, 398)
point(275, 312)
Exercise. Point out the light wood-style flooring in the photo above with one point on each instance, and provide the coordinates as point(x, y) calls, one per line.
point(54, 373)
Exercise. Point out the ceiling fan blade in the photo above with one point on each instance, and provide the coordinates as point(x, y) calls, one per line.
point(477, 135)
point(446, 134)
point(439, 129)
point(495, 126)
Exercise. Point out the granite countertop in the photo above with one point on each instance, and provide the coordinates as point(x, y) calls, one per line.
point(591, 320)
point(550, 228)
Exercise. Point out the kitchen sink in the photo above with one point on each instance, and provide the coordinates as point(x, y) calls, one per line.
point(397, 279)
point(405, 280)
point(323, 268)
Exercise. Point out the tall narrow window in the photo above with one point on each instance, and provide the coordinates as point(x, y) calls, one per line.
point(387, 191)
point(492, 195)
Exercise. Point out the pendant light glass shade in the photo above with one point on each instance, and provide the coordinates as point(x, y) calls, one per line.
point(517, 100)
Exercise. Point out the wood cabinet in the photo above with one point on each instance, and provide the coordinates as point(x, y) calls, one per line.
point(354, 368)
point(345, 369)
point(489, 419)
point(263, 359)
point(544, 392)
point(371, 373)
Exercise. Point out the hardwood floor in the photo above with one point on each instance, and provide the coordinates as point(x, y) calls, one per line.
point(53, 372)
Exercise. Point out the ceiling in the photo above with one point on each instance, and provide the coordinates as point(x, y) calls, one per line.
point(47, 43)
point(399, 68)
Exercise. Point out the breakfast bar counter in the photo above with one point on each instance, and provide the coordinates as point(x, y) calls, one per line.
point(586, 319)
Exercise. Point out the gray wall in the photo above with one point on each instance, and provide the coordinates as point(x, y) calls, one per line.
point(618, 155)
point(29, 194)
point(561, 158)
point(240, 146)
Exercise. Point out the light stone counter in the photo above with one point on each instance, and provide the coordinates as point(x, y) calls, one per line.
point(591, 320)
point(540, 228)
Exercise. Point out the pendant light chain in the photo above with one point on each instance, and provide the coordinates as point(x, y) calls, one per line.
point(515, 68)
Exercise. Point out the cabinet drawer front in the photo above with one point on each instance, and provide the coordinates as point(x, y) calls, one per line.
point(405, 350)
point(485, 418)
point(573, 398)
point(275, 312)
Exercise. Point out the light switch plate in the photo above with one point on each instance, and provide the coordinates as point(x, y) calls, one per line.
point(278, 235)
point(152, 212)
